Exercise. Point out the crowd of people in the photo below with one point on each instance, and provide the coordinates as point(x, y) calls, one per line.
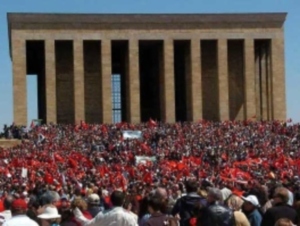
point(203, 173)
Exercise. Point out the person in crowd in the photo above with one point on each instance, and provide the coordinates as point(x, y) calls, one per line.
point(185, 206)
point(281, 209)
point(129, 206)
point(6, 214)
point(143, 214)
point(216, 213)
point(93, 204)
point(33, 208)
point(156, 216)
point(18, 211)
point(235, 204)
point(284, 222)
point(50, 216)
point(117, 216)
point(250, 208)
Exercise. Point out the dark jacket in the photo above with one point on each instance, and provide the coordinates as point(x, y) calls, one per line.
point(94, 210)
point(254, 218)
point(156, 219)
point(186, 206)
point(217, 215)
point(277, 212)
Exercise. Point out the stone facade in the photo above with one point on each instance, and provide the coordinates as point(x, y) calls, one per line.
point(227, 74)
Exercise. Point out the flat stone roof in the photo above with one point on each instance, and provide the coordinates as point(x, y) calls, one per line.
point(37, 21)
point(20, 20)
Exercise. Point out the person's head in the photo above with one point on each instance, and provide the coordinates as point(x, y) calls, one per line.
point(214, 195)
point(284, 222)
point(161, 192)
point(93, 200)
point(49, 216)
point(226, 193)
point(191, 186)
point(117, 198)
point(250, 203)
point(155, 204)
point(281, 195)
point(7, 202)
point(18, 207)
point(80, 204)
point(234, 202)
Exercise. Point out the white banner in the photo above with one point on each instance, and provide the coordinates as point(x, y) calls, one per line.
point(24, 172)
point(132, 134)
point(144, 159)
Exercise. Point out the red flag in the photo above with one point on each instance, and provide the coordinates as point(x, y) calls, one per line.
point(145, 147)
point(72, 163)
point(58, 158)
point(152, 123)
point(48, 178)
point(148, 178)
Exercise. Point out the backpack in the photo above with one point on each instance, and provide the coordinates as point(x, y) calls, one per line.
point(218, 215)
point(188, 206)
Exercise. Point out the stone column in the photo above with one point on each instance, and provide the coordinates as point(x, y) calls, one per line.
point(134, 109)
point(78, 81)
point(196, 80)
point(106, 81)
point(223, 80)
point(19, 81)
point(278, 79)
point(168, 92)
point(249, 78)
point(50, 81)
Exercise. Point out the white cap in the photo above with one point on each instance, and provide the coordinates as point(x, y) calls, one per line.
point(104, 192)
point(49, 213)
point(93, 199)
point(252, 199)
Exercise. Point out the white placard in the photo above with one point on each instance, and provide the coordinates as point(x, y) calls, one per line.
point(144, 159)
point(24, 172)
point(132, 134)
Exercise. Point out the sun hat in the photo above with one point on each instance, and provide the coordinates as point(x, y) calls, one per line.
point(50, 213)
point(251, 199)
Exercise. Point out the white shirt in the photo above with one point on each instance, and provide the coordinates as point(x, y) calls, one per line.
point(114, 217)
point(4, 216)
point(20, 220)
